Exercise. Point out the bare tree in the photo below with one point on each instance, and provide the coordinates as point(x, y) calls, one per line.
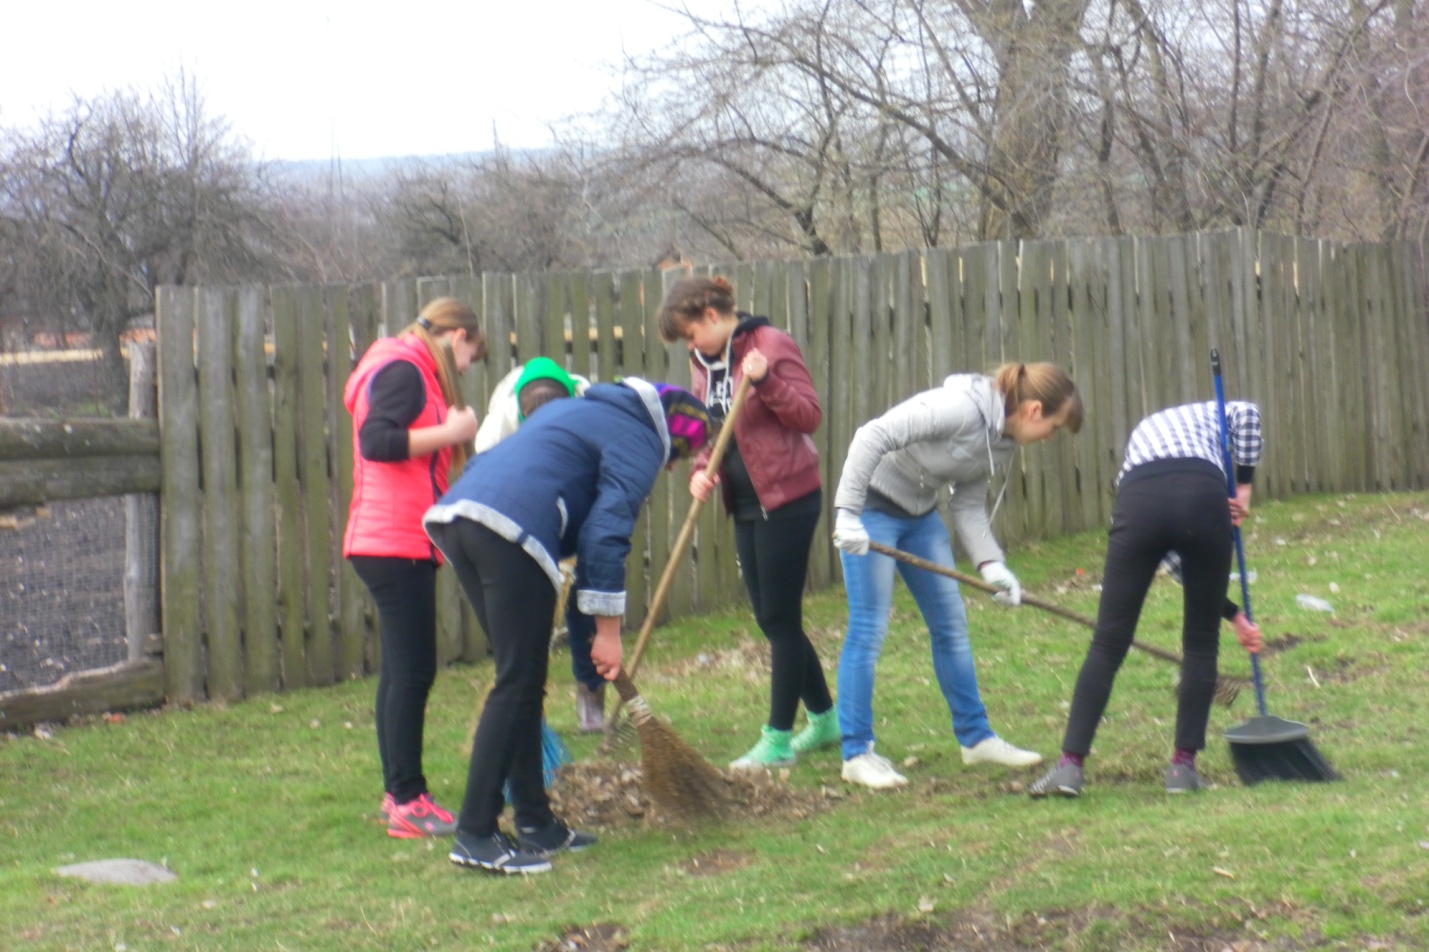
point(119, 195)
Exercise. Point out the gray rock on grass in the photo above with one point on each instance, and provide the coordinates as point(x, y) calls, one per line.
point(123, 872)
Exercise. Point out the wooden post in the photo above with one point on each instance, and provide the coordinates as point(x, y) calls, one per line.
point(141, 517)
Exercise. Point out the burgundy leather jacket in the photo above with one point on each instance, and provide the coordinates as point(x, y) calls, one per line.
point(774, 426)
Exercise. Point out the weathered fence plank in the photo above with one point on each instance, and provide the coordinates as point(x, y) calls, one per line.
point(180, 525)
point(262, 670)
point(315, 477)
point(23, 439)
point(349, 640)
point(141, 515)
point(216, 311)
point(38, 481)
point(120, 687)
point(823, 563)
point(1412, 326)
point(287, 491)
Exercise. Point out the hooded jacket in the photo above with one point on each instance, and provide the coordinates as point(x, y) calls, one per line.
point(570, 481)
point(389, 497)
point(503, 410)
point(951, 435)
point(773, 429)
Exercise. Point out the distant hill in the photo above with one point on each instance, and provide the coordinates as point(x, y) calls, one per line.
point(355, 169)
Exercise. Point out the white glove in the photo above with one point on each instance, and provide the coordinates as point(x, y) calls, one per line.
point(997, 573)
point(849, 533)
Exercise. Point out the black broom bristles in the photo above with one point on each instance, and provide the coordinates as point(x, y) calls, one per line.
point(1272, 748)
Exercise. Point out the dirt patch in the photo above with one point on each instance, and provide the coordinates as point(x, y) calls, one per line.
point(606, 794)
point(600, 937)
point(716, 861)
point(978, 930)
point(1286, 642)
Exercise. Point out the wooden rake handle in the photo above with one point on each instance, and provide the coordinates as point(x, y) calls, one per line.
point(1032, 600)
point(687, 531)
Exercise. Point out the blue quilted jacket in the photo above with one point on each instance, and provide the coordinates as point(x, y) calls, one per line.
point(570, 481)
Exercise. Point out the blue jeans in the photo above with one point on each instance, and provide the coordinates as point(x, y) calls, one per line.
point(868, 580)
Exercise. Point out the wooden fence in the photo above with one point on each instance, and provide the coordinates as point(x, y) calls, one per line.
point(1331, 340)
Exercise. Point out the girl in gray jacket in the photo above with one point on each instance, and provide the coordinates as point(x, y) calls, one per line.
point(956, 435)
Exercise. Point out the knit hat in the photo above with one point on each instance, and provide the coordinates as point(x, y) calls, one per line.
point(686, 418)
point(542, 368)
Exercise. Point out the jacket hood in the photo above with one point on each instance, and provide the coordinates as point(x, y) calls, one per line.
point(748, 322)
point(986, 397)
point(993, 407)
point(650, 401)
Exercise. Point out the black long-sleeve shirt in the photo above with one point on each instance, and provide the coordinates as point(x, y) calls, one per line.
point(397, 398)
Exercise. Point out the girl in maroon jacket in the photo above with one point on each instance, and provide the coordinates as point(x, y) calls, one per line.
point(771, 485)
point(408, 433)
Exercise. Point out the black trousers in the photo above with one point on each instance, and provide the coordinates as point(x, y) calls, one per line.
point(405, 591)
point(774, 560)
point(514, 602)
point(1181, 507)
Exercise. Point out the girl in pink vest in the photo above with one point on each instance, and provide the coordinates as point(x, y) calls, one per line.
point(408, 433)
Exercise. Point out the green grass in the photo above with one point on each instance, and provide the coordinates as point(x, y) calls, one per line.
point(266, 809)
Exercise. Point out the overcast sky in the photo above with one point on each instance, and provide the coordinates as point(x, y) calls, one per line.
point(305, 79)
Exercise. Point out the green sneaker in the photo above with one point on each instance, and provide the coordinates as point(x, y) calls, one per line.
point(773, 750)
point(821, 731)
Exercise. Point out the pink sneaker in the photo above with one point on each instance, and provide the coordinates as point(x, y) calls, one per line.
point(418, 818)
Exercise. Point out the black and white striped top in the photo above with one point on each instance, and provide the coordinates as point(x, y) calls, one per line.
point(1193, 431)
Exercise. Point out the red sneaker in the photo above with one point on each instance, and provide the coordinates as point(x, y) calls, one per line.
point(418, 818)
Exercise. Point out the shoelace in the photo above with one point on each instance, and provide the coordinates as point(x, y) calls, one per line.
point(426, 806)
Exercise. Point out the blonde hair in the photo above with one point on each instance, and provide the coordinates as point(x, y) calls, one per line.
point(1044, 382)
point(441, 316)
point(686, 302)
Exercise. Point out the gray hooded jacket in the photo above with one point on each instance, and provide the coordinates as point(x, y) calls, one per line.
point(951, 435)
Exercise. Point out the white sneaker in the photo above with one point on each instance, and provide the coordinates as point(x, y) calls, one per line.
point(872, 770)
point(995, 750)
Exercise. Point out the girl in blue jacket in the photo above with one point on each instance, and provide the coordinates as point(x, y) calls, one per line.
point(570, 481)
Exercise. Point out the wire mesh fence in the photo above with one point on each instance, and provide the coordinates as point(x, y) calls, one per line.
point(62, 565)
point(62, 590)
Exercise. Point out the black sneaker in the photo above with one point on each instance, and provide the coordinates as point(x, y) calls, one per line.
point(496, 853)
point(555, 838)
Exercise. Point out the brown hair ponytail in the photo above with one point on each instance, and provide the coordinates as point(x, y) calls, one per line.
point(1044, 382)
point(438, 317)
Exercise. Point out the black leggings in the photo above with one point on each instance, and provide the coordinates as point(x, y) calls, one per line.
point(774, 560)
point(514, 602)
point(405, 591)
point(1182, 508)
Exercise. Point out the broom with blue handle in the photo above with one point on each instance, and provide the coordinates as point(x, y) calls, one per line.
point(1264, 747)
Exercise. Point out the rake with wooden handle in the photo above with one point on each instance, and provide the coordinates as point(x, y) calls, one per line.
point(1226, 688)
point(616, 731)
